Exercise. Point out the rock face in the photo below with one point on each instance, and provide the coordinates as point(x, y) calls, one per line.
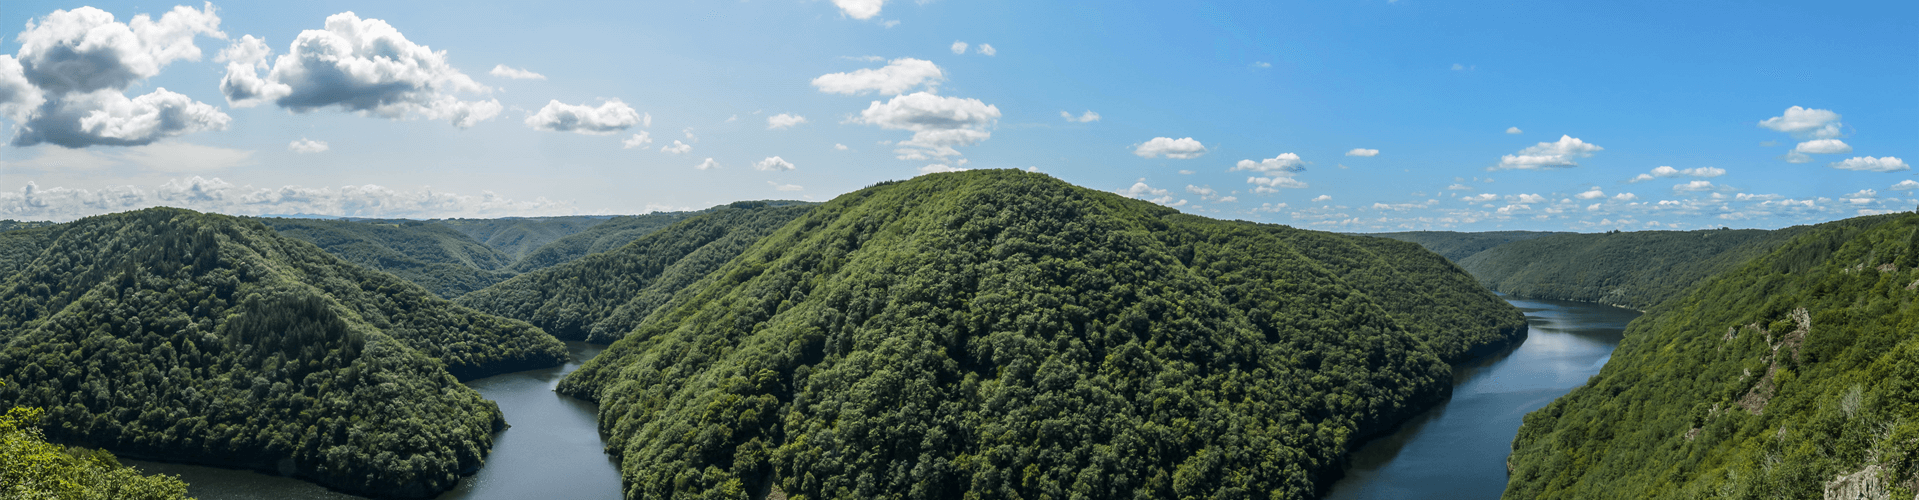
point(1002, 334)
point(1863, 485)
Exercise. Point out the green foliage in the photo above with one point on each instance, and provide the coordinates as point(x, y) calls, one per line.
point(998, 334)
point(610, 235)
point(1628, 269)
point(602, 296)
point(207, 338)
point(435, 256)
point(515, 237)
point(1770, 380)
point(1456, 246)
point(33, 469)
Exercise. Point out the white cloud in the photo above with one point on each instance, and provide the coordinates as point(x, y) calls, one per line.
point(1591, 194)
point(938, 123)
point(987, 49)
point(1459, 187)
point(360, 65)
point(1207, 193)
point(1285, 163)
point(639, 140)
point(859, 9)
point(1262, 64)
point(215, 195)
point(1514, 130)
point(1695, 186)
point(1480, 198)
point(1805, 123)
point(940, 168)
point(959, 47)
point(1526, 198)
point(1267, 185)
point(67, 85)
point(840, 147)
point(1625, 197)
point(1184, 148)
point(1666, 172)
point(1905, 185)
point(897, 77)
point(785, 187)
point(1141, 191)
point(500, 70)
point(783, 120)
point(773, 164)
point(677, 147)
point(1548, 155)
point(707, 164)
point(610, 117)
point(307, 146)
point(1823, 147)
point(646, 119)
point(1363, 152)
point(1088, 116)
point(1796, 157)
point(1323, 197)
point(1870, 164)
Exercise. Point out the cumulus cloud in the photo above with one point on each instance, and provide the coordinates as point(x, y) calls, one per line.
point(987, 49)
point(940, 168)
point(360, 65)
point(1088, 116)
point(1823, 147)
point(1796, 157)
point(938, 123)
point(501, 70)
point(773, 164)
point(959, 47)
point(1207, 193)
point(1323, 197)
point(610, 117)
point(1514, 130)
point(859, 9)
point(1561, 153)
point(32, 202)
point(677, 147)
point(1870, 164)
point(783, 120)
point(1268, 185)
point(708, 164)
point(1140, 191)
point(1805, 123)
point(1285, 163)
point(1625, 197)
point(1184, 148)
point(1591, 194)
point(1666, 172)
point(1695, 186)
point(897, 77)
point(840, 147)
point(1459, 187)
point(638, 140)
point(1363, 152)
point(67, 84)
point(307, 146)
point(1905, 185)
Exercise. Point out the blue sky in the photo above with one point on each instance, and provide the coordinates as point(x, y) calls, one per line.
point(1368, 115)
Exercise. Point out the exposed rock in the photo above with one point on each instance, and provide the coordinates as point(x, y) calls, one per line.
point(1862, 485)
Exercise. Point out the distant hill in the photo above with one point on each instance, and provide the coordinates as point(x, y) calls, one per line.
point(602, 296)
point(515, 237)
point(1634, 269)
point(213, 339)
point(1793, 374)
point(435, 256)
point(1005, 334)
point(1455, 246)
point(606, 236)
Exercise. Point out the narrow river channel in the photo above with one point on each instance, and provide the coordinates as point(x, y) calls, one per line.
point(1458, 450)
point(552, 451)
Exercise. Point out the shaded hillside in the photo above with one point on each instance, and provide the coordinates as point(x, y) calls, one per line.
point(207, 338)
point(1454, 245)
point(606, 236)
point(435, 256)
point(602, 296)
point(1792, 375)
point(1000, 334)
point(515, 237)
point(1627, 269)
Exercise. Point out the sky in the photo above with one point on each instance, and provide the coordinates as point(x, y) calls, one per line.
point(1342, 115)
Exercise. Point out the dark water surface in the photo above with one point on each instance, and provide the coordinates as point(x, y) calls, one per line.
point(1458, 450)
point(551, 452)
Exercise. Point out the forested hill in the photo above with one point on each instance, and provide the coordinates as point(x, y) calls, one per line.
point(612, 234)
point(201, 337)
point(602, 296)
point(516, 237)
point(1635, 269)
point(1003, 334)
point(1792, 375)
point(1455, 246)
point(436, 256)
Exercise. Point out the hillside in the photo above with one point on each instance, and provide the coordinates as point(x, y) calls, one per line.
point(435, 256)
point(600, 297)
point(606, 236)
point(1455, 246)
point(1004, 334)
point(31, 467)
point(1792, 375)
point(1628, 269)
point(207, 338)
point(515, 237)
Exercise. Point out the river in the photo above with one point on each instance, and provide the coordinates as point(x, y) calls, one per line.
point(552, 450)
point(1458, 450)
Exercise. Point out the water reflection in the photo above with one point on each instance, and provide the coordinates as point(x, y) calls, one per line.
point(552, 450)
point(1459, 449)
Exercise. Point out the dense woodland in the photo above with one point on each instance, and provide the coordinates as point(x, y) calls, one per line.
point(1792, 375)
point(516, 237)
point(207, 338)
point(1456, 246)
point(1628, 269)
point(600, 297)
point(445, 261)
point(32, 468)
point(997, 334)
point(607, 236)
